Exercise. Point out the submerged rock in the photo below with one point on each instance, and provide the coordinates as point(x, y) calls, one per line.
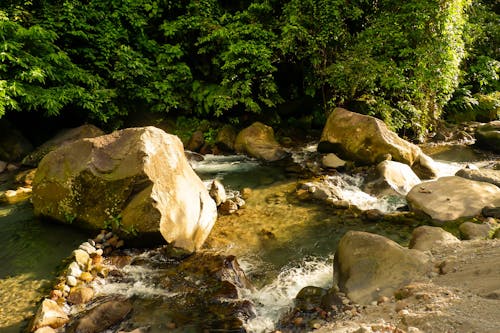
point(136, 181)
point(258, 141)
point(102, 317)
point(368, 266)
point(488, 136)
point(426, 238)
point(450, 198)
point(64, 136)
point(364, 139)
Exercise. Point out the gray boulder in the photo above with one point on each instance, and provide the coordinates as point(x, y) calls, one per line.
point(426, 238)
point(136, 181)
point(64, 136)
point(488, 136)
point(482, 175)
point(450, 198)
point(258, 141)
point(368, 266)
point(364, 139)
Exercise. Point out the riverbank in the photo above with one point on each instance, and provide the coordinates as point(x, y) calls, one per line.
point(462, 295)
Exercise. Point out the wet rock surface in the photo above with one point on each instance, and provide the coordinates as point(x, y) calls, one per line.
point(483, 175)
point(258, 141)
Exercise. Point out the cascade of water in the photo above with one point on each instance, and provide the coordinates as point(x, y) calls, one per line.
point(274, 299)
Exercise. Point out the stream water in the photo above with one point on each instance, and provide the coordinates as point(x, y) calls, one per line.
point(282, 244)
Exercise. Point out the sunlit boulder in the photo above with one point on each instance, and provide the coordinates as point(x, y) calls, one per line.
point(450, 198)
point(135, 181)
point(368, 266)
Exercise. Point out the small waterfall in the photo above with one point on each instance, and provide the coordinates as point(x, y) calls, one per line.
point(274, 299)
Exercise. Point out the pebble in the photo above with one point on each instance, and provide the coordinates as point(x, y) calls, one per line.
point(74, 269)
point(91, 242)
point(87, 247)
point(71, 281)
point(86, 277)
point(298, 321)
point(82, 258)
point(66, 289)
point(108, 235)
point(404, 312)
point(383, 299)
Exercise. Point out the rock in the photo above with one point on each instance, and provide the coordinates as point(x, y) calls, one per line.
point(49, 314)
point(450, 198)
point(3, 166)
point(483, 175)
point(225, 138)
point(258, 141)
point(491, 212)
point(196, 141)
point(425, 167)
point(246, 193)
point(309, 298)
point(86, 277)
point(426, 238)
point(217, 192)
point(14, 196)
point(470, 230)
point(74, 269)
point(63, 137)
point(321, 191)
point(46, 329)
point(396, 176)
point(13, 145)
point(102, 316)
point(80, 295)
point(136, 180)
point(71, 280)
point(85, 246)
point(82, 258)
point(332, 161)
point(25, 177)
point(488, 136)
point(364, 139)
point(368, 266)
point(228, 207)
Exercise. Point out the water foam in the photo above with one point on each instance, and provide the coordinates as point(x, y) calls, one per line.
point(221, 164)
point(274, 299)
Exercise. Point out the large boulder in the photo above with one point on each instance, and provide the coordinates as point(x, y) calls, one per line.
point(483, 175)
point(225, 138)
point(426, 238)
point(364, 139)
point(450, 198)
point(136, 181)
point(49, 314)
point(369, 266)
point(101, 317)
point(258, 141)
point(488, 136)
point(64, 136)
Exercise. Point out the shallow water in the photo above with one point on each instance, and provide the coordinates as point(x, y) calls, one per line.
point(283, 244)
point(31, 254)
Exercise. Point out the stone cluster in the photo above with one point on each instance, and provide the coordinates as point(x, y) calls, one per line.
point(74, 288)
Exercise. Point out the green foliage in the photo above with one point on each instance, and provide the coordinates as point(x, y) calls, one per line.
point(399, 61)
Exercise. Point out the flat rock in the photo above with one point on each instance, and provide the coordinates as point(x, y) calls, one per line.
point(426, 238)
point(483, 175)
point(450, 198)
point(368, 266)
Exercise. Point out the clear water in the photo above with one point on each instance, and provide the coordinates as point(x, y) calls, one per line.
point(283, 244)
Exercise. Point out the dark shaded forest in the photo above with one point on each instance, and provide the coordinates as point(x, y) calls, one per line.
point(410, 63)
